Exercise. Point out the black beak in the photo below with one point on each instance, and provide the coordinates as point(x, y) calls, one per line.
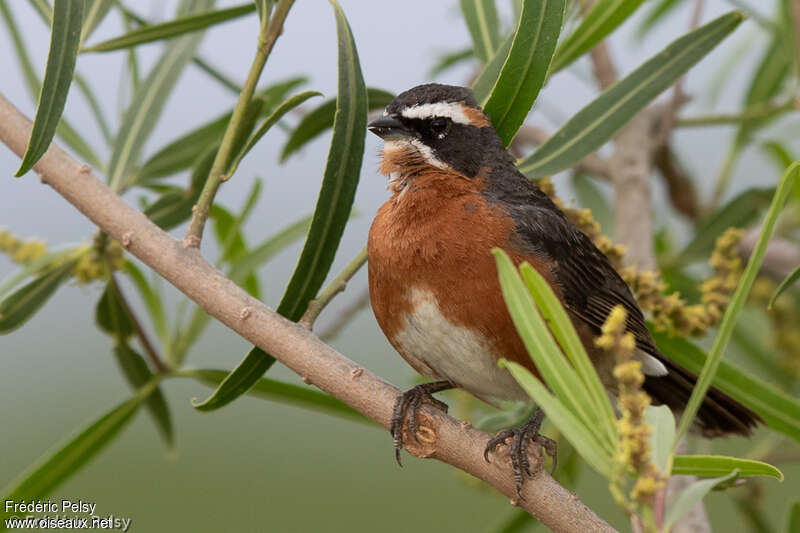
point(388, 127)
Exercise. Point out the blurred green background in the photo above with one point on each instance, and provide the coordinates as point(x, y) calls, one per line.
point(259, 466)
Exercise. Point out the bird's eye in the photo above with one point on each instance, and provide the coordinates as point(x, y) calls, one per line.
point(439, 125)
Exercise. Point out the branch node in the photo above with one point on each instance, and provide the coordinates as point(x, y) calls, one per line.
point(514, 502)
point(43, 178)
point(191, 241)
point(245, 313)
point(127, 237)
point(357, 372)
point(306, 379)
point(465, 425)
point(85, 169)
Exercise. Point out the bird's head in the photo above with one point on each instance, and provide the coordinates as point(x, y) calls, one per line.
point(440, 126)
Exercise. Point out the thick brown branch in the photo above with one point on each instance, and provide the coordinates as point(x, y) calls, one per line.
point(449, 440)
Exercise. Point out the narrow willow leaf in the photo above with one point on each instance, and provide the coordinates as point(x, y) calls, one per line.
point(561, 326)
point(655, 16)
point(94, 105)
point(602, 19)
point(450, 60)
point(270, 121)
point(260, 254)
point(741, 211)
point(525, 68)
point(790, 280)
point(560, 377)
point(662, 422)
point(147, 103)
point(138, 375)
point(321, 118)
point(182, 153)
point(286, 393)
point(330, 214)
point(56, 466)
point(593, 125)
point(737, 301)
point(64, 37)
point(173, 28)
point(111, 316)
point(720, 465)
point(46, 262)
point(793, 519)
point(483, 25)
point(563, 418)
point(779, 410)
point(20, 306)
point(151, 299)
point(94, 14)
point(691, 496)
point(66, 132)
point(484, 83)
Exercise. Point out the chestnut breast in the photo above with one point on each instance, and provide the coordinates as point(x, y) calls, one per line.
point(434, 285)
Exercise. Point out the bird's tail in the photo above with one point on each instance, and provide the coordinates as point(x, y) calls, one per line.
point(719, 414)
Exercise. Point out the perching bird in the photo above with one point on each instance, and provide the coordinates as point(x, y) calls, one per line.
point(434, 288)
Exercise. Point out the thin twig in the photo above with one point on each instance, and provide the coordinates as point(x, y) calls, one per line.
point(266, 41)
point(758, 111)
point(158, 364)
point(339, 284)
point(450, 441)
point(345, 316)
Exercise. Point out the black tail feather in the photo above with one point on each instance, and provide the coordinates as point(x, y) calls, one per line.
point(719, 414)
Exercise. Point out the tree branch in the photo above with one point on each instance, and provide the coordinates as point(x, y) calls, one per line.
point(448, 440)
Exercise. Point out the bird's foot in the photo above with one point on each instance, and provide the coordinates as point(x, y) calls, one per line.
point(521, 439)
point(407, 405)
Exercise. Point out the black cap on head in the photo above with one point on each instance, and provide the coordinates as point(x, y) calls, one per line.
point(431, 93)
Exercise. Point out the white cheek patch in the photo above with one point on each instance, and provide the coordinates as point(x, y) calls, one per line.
point(452, 110)
point(420, 147)
point(651, 366)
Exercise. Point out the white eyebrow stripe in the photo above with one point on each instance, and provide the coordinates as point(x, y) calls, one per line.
point(452, 110)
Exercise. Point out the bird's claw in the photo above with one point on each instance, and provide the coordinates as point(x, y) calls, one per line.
point(407, 406)
point(521, 439)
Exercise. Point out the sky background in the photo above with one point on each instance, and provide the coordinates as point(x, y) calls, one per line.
point(255, 463)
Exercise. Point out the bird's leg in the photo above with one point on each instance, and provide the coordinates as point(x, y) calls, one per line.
point(408, 404)
point(521, 439)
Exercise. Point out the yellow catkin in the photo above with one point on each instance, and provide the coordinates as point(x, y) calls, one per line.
point(633, 448)
point(22, 252)
point(784, 316)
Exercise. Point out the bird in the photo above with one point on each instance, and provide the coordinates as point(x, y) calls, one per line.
point(455, 194)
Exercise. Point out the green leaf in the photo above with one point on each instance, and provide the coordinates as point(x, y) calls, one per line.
point(96, 108)
point(270, 121)
point(484, 83)
point(260, 254)
point(330, 215)
point(20, 306)
point(741, 211)
point(779, 410)
point(567, 385)
point(691, 496)
point(790, 280)
point(111, 315)
point(561, 326)
point(737, 301)
point(525, 68)
point(277, 391)
point(94, 14)
point(151, 299)
point(56, 466)
point(793, 519)
point(147, 102)
point(563, 418)
point(593, 125)
point(662, 421)
point(602, 19)
point(483, 25)
point(173, 28)
point(136, 372)
point(183, 152)
point(46, 262)
point(720, 465)
point(320, 119)
point(64, 36)
point(656, 15)
point(67, 133)
point(450, 60)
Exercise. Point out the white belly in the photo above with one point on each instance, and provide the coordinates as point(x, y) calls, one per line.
point(453, 352)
